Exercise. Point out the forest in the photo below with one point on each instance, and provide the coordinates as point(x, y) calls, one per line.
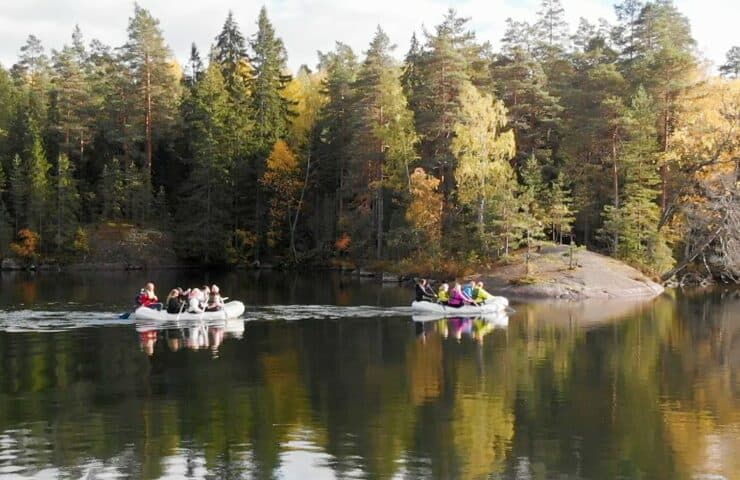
point(620, 138)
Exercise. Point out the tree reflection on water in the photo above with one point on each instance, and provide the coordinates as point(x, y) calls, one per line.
point(649, 390)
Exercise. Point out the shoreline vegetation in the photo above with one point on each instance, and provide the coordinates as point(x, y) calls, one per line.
point(551, 272)
point(457, 161)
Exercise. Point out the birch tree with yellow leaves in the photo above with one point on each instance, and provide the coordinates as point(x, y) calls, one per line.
point(706, 151)
point(483, 150)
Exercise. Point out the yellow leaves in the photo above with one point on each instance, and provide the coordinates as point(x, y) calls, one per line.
point(280, 163)
point(305, 92)
point(27, 244)
point(424, 212)
point(707, 132)
point(483, 150)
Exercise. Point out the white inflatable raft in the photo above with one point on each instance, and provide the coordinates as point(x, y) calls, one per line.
point(492, 305)
point(232, 309)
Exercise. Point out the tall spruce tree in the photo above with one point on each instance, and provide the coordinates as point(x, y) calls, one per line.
point(333, 136)
point(6, 226)
point(39, 192)
point(194, 67)
point(112, 191)
point(230, 53)
point(66, 205)
point(270, 107)
point(204, 235)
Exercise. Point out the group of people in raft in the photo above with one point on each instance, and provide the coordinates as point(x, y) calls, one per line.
point(192, 300)
point(471, 293)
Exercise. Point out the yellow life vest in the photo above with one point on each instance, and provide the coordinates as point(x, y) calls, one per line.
point(481, 295)
point(443, 296)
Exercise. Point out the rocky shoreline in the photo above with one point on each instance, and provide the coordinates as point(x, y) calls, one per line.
point(551, 275)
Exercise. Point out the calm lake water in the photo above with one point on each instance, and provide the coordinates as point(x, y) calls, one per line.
point(358, 389)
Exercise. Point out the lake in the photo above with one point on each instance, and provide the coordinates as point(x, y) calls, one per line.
point(330, 377)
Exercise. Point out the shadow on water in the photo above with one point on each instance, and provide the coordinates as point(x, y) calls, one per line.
point(557, 390)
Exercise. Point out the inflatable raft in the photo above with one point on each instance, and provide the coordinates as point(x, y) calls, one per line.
point(232, 309)
point(492, 305)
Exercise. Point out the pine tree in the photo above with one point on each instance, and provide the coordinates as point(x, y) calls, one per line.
point(32, 72)
point(551, 29)
point(624, 33)
point(443, 71)
point(635, 221)
point(72, 98)
point(534, 184)
point(560, 214)
point(664, 64)
point(533, 112)
point(518, 36)
point(147, 57)
point(383, 139)
point(731, 68)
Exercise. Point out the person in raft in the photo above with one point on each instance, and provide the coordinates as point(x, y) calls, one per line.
point(443, 295)
point(194, 301)
point(215, 300)
point(424, 291)
point(458, 297)
point(468, 288)
point(480, 295)
point(147, 297)
point(175, 302)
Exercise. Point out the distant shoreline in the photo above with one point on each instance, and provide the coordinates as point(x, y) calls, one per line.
point(550, 275)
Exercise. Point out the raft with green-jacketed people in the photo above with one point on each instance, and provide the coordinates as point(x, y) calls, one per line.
point(469, 299)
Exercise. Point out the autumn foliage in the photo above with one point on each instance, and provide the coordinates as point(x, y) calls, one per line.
point(27, 244)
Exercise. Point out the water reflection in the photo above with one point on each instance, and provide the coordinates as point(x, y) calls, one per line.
point(650, 390)
point(191, 335)
point(474, 328)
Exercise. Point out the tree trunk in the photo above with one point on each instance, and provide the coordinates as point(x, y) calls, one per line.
point(148, 116)
point(379, 195)
point(294, 223)
point(615, 182)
